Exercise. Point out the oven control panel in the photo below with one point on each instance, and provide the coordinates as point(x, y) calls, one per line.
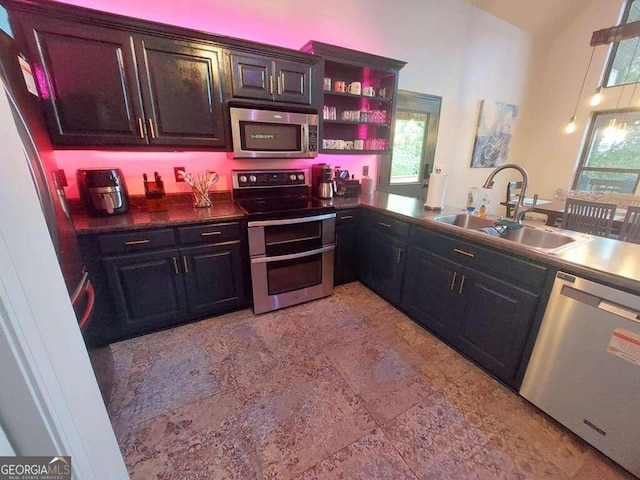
point(269, 178)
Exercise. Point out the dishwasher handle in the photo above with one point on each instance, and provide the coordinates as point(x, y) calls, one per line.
point(600, 303)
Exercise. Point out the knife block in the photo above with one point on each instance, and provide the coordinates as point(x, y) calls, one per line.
point(156, 200)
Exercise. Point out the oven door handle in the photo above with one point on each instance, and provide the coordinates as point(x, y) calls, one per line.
point(289, 221)
point(293, 256)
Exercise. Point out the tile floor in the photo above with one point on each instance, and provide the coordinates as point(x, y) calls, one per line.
point(345, 387)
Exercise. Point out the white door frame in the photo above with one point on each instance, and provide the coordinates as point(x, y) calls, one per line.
point(50, 403)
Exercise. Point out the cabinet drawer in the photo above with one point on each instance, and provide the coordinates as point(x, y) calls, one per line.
point(212, 233)
point(517, 271)
point(345, 217)
point(136, 241)
point(386, 224)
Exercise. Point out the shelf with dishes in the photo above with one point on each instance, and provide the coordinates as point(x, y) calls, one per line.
point(359, 100)
point(374, 98)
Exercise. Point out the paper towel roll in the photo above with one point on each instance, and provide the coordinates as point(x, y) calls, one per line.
point(435, 192)
point(366, 185)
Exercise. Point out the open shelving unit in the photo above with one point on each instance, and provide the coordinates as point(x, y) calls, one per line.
point(380, 73)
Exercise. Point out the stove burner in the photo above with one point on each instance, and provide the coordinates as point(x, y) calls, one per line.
point(285, 195)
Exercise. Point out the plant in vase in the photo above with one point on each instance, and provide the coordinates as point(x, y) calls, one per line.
point(200, 183)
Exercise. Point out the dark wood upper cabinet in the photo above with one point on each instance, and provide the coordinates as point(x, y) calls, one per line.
point(88, 84)
point(182, 94)
point(110, 80)
point(271, 79)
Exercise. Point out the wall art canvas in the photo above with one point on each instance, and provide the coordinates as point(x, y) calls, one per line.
point(493, 134)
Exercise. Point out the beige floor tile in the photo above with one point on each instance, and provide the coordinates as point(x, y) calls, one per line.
point(298, 392)
point(301, 414)
point(370, 457)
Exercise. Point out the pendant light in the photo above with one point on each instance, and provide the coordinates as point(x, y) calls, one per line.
point(571, 126)
point(597, 97)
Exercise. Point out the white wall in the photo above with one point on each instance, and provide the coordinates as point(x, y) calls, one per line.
point(547, 152)
point(453, 50)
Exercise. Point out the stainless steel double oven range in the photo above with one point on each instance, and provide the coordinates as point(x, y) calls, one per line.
point(291, 237)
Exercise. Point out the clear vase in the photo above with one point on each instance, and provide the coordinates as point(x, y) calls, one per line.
point(201, 198)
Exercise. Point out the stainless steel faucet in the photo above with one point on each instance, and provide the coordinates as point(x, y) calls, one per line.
point(520, 208)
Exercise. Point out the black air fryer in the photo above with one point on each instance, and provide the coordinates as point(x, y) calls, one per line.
point(103, 191)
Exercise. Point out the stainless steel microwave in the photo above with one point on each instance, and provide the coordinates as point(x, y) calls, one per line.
point(259, 133)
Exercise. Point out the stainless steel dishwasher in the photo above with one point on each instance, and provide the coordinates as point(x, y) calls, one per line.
point(585, 366)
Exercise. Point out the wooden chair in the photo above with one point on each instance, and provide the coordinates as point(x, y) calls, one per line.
point(594, 218)
point(630, 230)
point(513, 195)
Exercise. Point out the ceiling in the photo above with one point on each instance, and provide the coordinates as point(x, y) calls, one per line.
point(539, 17)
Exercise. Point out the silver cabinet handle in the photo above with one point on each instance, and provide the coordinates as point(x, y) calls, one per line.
point(462, 252)
point(271, 84)
point(151, 129)
point(453, 281)
point(346, 217)
point(279, 82)
point(208, 234)
point(464, 277)
point(175, 265)
point(382, 224)
point(186, 264)
point(137, 242)
point(141, 127)
point(399, 256)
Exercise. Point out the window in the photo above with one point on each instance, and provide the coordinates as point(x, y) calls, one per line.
point(611, 159)
point(408, 146)
point(621, 69)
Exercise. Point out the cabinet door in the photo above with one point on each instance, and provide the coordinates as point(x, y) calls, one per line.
point(147, 289)
point(181, 92)
point(346, 254)
point(495, 324)
point(431, 291)
point(252, 76)
point(382, 264)
point(91, 93)
point(293, 82)
point(213, 277)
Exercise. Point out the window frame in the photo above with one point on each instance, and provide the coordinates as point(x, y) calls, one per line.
point(584, 154)
point(613, 51)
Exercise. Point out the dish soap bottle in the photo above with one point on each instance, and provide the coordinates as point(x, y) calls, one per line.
point(472, 198)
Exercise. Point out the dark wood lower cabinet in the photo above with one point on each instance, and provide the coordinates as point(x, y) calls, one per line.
point(213, 277)
point(382, 264)
point(347, 255)
point(495, 323)
point(471, 298)
point(146, 289)
point(149, 279)
point(429, 294)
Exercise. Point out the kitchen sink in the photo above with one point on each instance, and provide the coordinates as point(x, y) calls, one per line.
point(544, 239)
point(464, 220)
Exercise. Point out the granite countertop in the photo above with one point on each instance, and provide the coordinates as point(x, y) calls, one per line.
point(601, 259)
point(139, 218)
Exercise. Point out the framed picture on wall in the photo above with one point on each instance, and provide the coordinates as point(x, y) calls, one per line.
point(493, 134)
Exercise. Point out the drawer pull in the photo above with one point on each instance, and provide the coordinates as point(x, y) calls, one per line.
point(453, 281)
point(399, 256)
point(462, 252)
point(382, 224)
point(208, 234)
point(175, 265)
point(346, 217)
point(186, 264)
point(137, 242)
point(464, 277)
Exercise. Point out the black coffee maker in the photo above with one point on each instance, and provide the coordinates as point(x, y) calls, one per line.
point(103, 191)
